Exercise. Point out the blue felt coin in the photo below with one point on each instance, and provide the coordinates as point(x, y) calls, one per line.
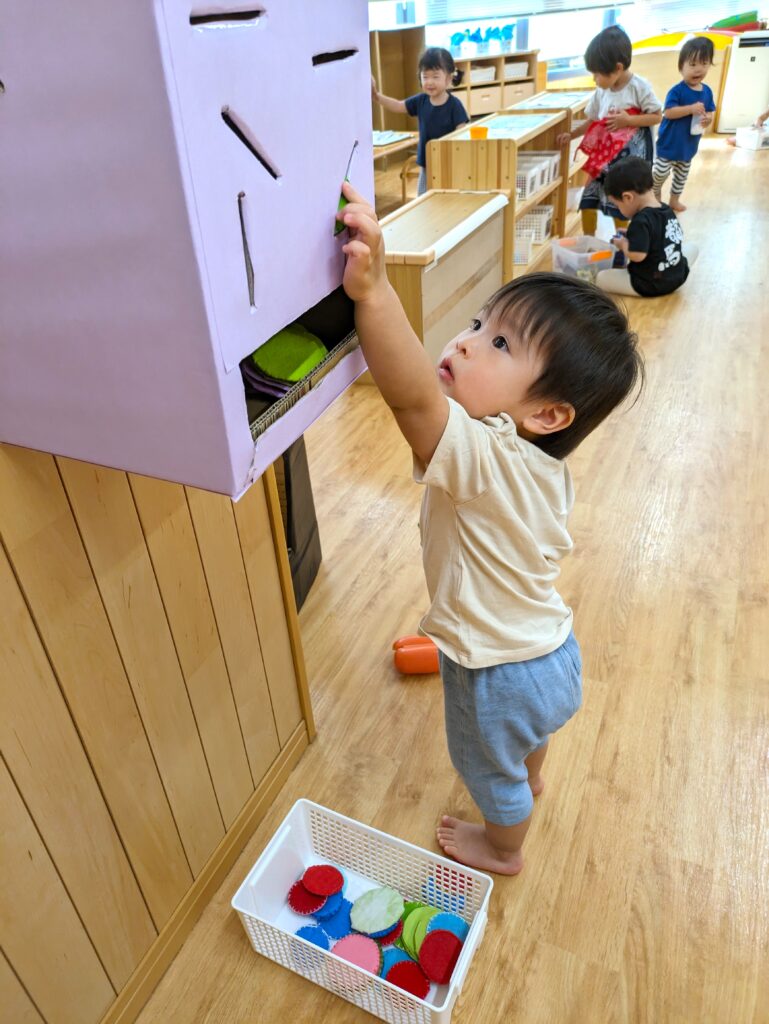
point(390, 957)
point(332, 905)
point(339, 925)
point(315, 935)
point(449, 923)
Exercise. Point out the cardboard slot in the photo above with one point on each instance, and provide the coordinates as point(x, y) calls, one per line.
point(241, 131)
point(332, 321)
point(246, 253)
point(226, 17)
point(328, 58)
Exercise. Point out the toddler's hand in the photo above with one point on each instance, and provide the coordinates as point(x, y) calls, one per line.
point(698, 109)
point(616, 121)
point(622, 243)
point(563, 139)
point(364, 272)
point(707, 118)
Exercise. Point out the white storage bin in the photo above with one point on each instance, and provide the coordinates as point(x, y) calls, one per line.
point(574, 196)
point(516, 69)
point(310, 834)
point(526, 180)
point(542, 167)
point(583, 256)
point(539, 220)
point(753, 138)
point(524, 247)
point(480, 73)
point(550, 158)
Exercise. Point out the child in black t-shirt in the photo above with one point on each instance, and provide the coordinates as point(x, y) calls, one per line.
point(438, 111)
point(658, 261)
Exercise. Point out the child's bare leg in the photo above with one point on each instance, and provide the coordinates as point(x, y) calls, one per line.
point(488, 847)
point(534, 765)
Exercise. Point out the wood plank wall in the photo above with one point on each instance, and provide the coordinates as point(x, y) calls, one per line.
point(148, 683)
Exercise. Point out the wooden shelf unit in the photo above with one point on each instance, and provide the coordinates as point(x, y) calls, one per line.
point(498, 92)
point(459, 162)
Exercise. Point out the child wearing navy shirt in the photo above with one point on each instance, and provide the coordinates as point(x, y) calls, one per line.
point(438, 112)
point(688, 111)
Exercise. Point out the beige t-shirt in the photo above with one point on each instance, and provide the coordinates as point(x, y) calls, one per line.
point(493, 528)
point(637, 93)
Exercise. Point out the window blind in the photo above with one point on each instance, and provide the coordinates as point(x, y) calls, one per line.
point(439, 11)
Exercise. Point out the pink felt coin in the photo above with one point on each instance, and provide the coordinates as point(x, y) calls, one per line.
point(391, 936)
point(302, 901)
point(323, 879)
point(438, 954)
point(410, 977)
point(361, 951)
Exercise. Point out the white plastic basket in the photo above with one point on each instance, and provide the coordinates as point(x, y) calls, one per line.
point(551, 160)
point(582, 257)
point(311, 834)
point(539, 220)
point(537, 163)
point(516, 69)
point(524, 247)
point(526, 180)
point(480, 73)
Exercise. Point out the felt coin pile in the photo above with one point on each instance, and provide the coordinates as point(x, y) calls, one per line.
point(409, 944)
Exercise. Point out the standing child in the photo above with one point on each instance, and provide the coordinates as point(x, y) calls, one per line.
point(658, 261)
point(620, 113)
point(545, 361)
point(689, 110)
point(438, 112)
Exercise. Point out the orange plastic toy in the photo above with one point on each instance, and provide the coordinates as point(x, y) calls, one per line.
point(415, 656)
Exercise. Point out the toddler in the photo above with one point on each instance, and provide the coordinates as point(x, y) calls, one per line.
point(621, 101)
point(688, 111)
point(437, 111)
point(658, 261)
point(546, 359)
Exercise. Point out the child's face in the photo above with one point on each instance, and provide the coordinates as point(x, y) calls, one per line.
point(435, 82)
point(489, 370)
point(608, 81)
point(694, 71)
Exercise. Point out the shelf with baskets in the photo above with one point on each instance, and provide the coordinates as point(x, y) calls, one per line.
point(491, 83)
point(520, 156)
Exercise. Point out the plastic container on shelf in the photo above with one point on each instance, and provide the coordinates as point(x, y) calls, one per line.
point(516, 69)
point(539, 220)
point(583, 256)
point(540, 165)
point(550, 157)
point(480, 73)
point(367, 857)
point(524, 247)
point(527, 178)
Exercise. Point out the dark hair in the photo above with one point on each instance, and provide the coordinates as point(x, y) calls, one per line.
point(633, 174)
point(608, 49)
point(698, 49)
point(591, 357)
point(435, 58)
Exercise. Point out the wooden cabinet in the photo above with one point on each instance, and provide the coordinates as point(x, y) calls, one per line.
point(445, 254)
point(459, 162)
point(516, 92)
point(152, 225)
point(152, 700)
point(483, 100)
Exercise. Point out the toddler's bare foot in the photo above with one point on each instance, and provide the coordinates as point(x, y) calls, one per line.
point(468, 844)
point(536, 784)
point(677, 205)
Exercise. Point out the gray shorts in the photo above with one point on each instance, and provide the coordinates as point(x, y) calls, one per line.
point(495, 717)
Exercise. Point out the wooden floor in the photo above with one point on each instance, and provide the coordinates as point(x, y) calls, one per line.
point(645, 895)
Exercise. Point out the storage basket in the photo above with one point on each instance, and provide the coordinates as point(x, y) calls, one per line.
point(516, 69)
point(524, 247)
point(526, 180)
point(542, 167)
point(539, 220)
point(481, 73)
point(311, 834)
point(551, 159)
point(582, 257)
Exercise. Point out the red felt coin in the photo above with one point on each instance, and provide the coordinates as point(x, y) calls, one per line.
point(302, 901)
point(410, 977)
point(391, 936)
point(323, 879)
point(438, 954)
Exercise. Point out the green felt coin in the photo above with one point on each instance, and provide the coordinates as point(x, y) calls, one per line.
point(377, 910)
point(421, 928)
point(410, 928)
point(290, 354)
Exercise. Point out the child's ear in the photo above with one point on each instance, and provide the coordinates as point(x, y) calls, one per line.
point(550, 418)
